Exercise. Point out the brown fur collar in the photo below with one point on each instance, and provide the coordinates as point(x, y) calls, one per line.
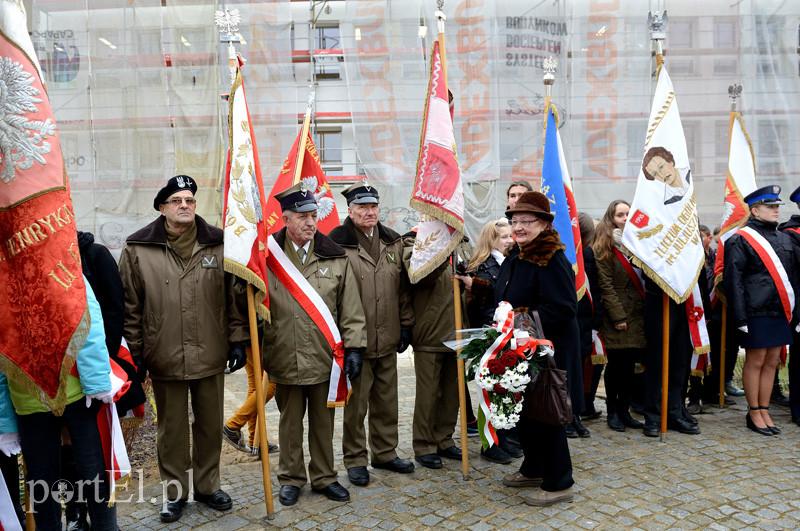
point(156, 233)
point(324, 247)
point(542, 249)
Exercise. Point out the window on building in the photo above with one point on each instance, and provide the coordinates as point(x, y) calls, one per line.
point(329, 146)
point(148, 41)
point(768, 33)
point(328, 66)
point(773, 137)
point(681, 67)
point(109, 150)
point(726, 67)
point(721, 138)
point(726, 33)
point(681, 33)
point(694, 146)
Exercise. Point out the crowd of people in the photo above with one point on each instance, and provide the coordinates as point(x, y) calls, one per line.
point(183, 318)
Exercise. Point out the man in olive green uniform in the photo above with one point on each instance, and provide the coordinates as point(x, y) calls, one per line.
point(376, 254)
point(436, 405)
point(297, 356)
point(184, 319)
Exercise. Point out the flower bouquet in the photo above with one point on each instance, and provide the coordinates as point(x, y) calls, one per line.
point(501, 360)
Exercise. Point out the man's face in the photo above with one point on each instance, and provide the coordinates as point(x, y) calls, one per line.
point(179, 208)
point(664, 171)
point(513, 195)
point(365, 216)
point(707, 238)
point(300, 226)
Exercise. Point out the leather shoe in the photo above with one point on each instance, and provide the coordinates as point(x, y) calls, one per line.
point(495, 454)
point(614, 422)
point(173, 511)
point(651, 430)
point(511, 448)
point(683, 426)
point(732, 390)
point(429, 460)
point(288, 495)
point(570, 431)
point(217, 500)
point(688, 417)
point(582, 431)
point(453, 452)
point(335, 492)
point(401, 466)
point(358, 475)
point(796, 420)
point(629, 421)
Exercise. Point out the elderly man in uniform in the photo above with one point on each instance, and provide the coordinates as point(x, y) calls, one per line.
point(792, 228)
point(184, 320)
point(297, 355)
point(376, 254)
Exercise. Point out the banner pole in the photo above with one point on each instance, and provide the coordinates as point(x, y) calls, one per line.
point(301, 148)
point(664, 363)
point(722, 345)
point(260, 413)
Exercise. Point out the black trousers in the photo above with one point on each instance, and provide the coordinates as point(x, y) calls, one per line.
point(40, 439)
point(546, 454)
point(680, 355)
point(619, 378)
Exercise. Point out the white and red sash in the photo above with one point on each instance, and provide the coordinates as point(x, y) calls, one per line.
point(307, 297)
point(701, 346)
point(774, 266)
point(599, 356)
point(635, 279)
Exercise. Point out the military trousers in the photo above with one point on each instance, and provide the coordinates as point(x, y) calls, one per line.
point(175, 463)
point(292, 401)
point(374, 393)
point(436, 404)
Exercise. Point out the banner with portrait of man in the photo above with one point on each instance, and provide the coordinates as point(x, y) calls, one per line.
point(662, 229)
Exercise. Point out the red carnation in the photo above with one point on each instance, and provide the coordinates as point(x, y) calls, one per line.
point(499, 389)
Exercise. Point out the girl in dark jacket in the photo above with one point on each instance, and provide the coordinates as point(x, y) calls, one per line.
point(537, 276)
point(758, 310)
point(493, 245)
point(623, 322)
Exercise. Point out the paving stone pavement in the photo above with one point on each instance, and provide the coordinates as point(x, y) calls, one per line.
point(725, 478)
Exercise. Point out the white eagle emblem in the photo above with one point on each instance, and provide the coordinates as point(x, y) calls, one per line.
point(325, 205)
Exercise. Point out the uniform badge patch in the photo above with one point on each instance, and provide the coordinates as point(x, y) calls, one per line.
point(209, 262)
point(391, 258)
point(324, 272)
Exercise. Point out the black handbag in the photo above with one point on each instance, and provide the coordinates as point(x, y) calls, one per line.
point(546, 397)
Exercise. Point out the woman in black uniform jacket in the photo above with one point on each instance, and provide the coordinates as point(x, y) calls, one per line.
point(537, 276)
point(758, 312)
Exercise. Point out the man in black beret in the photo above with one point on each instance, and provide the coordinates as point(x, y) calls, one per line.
point(185, 319)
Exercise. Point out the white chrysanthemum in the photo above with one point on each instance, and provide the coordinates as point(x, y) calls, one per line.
point(22, 141)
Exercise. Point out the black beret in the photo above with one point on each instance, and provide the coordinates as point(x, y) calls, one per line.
point(176, 184)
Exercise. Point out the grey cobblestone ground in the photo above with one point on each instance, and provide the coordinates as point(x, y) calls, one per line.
point(725, 478)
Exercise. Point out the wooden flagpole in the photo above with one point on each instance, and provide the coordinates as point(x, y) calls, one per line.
point(462, 390)
point(261, 419)
point(734, 94)
point(664, 363)
point(301, 148)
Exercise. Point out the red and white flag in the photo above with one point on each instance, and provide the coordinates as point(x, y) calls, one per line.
point(740, 182)
point(43, 312)
point(245, 226)
point(313, 178)
point(437, 193)
point(8, 516)
point(114, 451)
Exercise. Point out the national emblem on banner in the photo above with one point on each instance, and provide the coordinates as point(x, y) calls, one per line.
point(243, 210)
point(437, 192)
point(44, 314)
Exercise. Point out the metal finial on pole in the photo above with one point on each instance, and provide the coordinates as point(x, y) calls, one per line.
point(227, 23)
point(657, 22)
point(734, 93)
point(550, 66)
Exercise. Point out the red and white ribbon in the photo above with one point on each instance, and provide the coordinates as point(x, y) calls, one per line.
point(774, 266)
point(307, 297)
point(698, 331)
point(599, 356)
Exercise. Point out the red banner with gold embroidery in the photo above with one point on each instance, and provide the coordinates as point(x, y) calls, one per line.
point(43, 310)
point(313, 177)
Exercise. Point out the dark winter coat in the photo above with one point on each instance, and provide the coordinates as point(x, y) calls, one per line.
point(590, 307)
point(481, 305)
point(748, 285)
point(622, 303)
point(539, 277)
point(101, 270)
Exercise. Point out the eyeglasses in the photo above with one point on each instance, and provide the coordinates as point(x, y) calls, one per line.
point(178, 201)
point(523, 222)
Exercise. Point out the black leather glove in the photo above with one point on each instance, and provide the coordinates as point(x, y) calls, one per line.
point(352, 363)
point(141, 370)
point(405, 339)
point(237, 357)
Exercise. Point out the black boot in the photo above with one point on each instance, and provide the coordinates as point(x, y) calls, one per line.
point(582, 431)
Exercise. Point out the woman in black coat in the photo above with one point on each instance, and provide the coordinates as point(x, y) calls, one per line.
point(537, 276)
point(755, 298)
